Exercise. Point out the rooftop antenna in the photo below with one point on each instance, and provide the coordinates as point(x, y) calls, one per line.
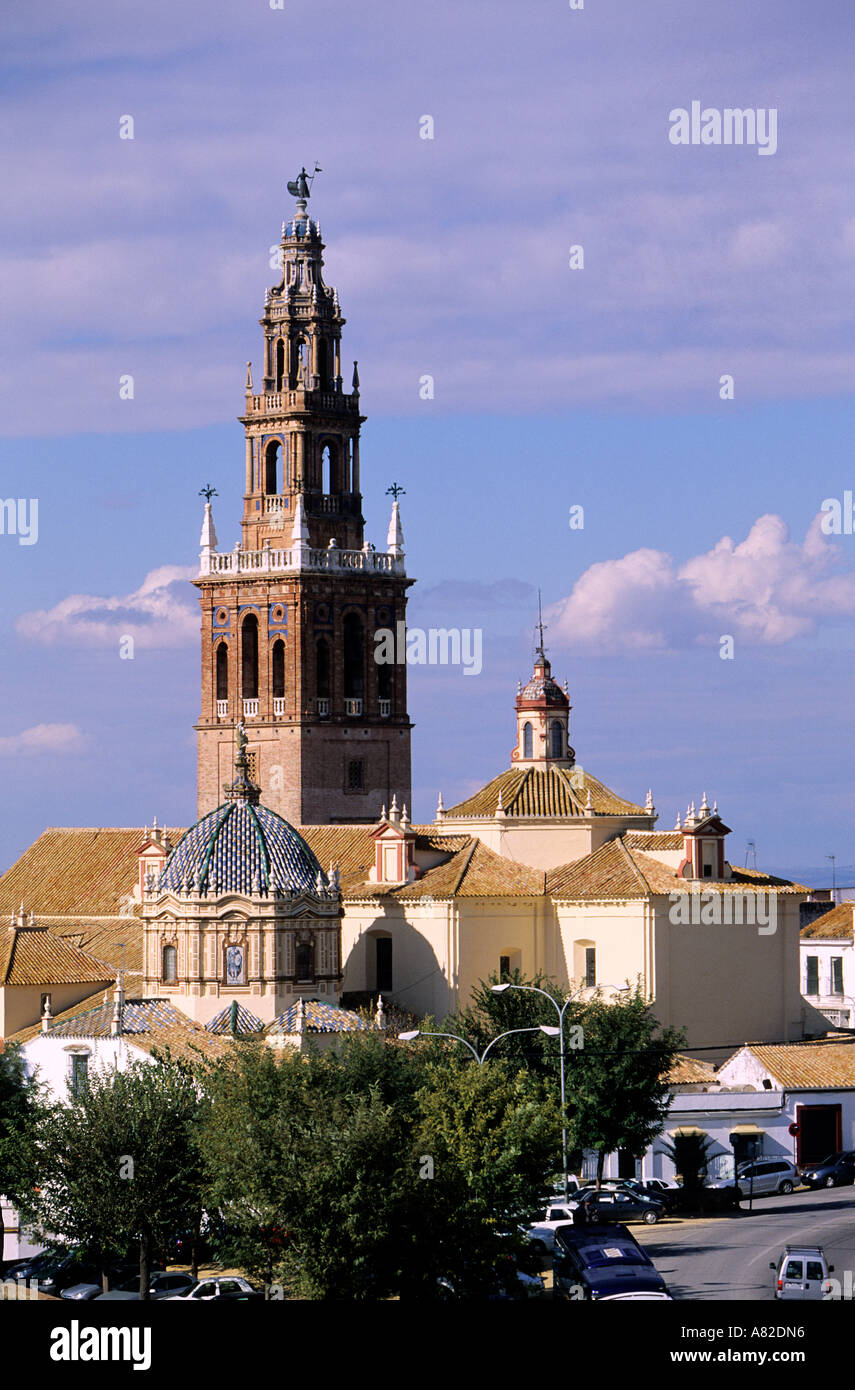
point(833, 858)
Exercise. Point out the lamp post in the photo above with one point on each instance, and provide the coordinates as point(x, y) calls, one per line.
point(479, 1057)
point(833, 858)
point(551, 1032)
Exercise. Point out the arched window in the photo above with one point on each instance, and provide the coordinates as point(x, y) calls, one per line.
point(329, 481)
point(323, 669)
point(271, 468)
point(528, 741)
point(249, 658)
point(557, 739)
point(280, 364)
point(222, 671)
point(305, 963)
point(323, 363)
point(278, 669)
point(354, 664)
point(169, 973)
point(302, 363)
point(384, 681)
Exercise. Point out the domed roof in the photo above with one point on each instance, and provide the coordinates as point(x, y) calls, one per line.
point(242, 848)
point(542, 687)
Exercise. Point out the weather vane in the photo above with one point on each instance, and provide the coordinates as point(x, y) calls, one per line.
point(301, 186)
point(208, 492)
point(540, 622)
point(397, 491)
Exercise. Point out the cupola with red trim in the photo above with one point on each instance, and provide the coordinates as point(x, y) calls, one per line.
point(543, 718)
point(394, 844)
point(704, 834)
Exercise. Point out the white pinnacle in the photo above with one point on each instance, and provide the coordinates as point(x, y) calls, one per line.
point(300, 529)
point(395, 535)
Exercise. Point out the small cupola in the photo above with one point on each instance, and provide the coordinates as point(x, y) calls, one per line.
point(543, 718)
point(394, 845)
point(704, 834)
point(152, 855)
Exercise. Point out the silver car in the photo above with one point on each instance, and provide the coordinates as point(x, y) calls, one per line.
point(762, 1177)
point(802, 1273)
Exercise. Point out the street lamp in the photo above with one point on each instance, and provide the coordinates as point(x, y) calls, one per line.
point(479, 1057)
point(551, 1032)
point(833, 858)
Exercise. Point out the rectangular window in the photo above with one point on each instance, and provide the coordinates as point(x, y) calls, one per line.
point(356, 775)
point(590, 966)
point(812, 975)
point(79, 1071)
point(504, 967)
point(836, 974)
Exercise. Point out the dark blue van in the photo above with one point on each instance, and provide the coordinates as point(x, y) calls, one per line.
point(603, 1262)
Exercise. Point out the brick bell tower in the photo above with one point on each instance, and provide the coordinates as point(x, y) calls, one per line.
point(289, 615)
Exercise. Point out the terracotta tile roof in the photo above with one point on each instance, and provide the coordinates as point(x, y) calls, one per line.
point(146, 1023)
point(834, 925)
point(477, 872)
point(653, 839)
point(544, 793)
point(104, 941)
point(617, 872)
point(34, 956)
point(688, 1071)
point(663, 879)
point(610, 872)
point(75, 873)
point(822, 1064)
point(352, 848)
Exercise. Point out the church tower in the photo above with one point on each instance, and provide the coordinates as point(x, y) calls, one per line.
point(289, 615)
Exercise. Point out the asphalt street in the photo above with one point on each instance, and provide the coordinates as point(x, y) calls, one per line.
point(727, 1258)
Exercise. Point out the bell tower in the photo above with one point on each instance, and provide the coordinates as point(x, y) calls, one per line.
point(289, 615)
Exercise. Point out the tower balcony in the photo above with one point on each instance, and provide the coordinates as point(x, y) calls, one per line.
point(353, 708)
point(275, 402)
point(296, 558)
point(250, 709)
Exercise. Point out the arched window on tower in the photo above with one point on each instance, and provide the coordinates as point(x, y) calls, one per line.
point(323, 364)
point(278, 664)
point(302, 363)
point(528, 741)
point(384, 682)
point(557, 739)
point(280, 364)
point(272, 471)
point(169, 957)
point(323, 669)
point(223, 671)
point(354, 658)
point(329, 482)
point(249, 658)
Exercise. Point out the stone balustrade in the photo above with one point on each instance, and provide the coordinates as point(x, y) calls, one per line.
point(270, 560)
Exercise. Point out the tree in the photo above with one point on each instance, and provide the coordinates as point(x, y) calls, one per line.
point(375, 1169)
point(617, 1091)
point(119, 1164)
point(20, 1101)
point(488, 1015)
point(690, 1155)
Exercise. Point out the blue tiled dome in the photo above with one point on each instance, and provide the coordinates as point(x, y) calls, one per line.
point(241, 848)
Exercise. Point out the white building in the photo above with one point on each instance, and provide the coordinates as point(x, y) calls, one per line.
point(828, 964)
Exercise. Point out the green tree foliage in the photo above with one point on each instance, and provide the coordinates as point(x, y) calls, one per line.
point(617, 1094)
point(119, 1164)
point(489, 1015)
point(690, 1154)
point(374, 1170)
point(20, 1099)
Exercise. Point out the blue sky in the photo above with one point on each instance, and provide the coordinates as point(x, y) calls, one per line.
point(554, 387)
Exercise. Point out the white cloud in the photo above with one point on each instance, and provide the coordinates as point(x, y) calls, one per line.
point(155, 615)
point(45, 738)
point(765, 590)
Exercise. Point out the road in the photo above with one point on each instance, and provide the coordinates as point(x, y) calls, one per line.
point(727, 1258)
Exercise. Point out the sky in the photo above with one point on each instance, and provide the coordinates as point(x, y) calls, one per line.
point(555, 387)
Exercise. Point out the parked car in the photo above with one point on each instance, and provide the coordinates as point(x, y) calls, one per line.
point(761, 1178)
point(541, 1232)
point(801, 1272)
point(161, 1285)
point(835, 1171)
point(617, 1205)
point(604, 1262)
point(230, 1287)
